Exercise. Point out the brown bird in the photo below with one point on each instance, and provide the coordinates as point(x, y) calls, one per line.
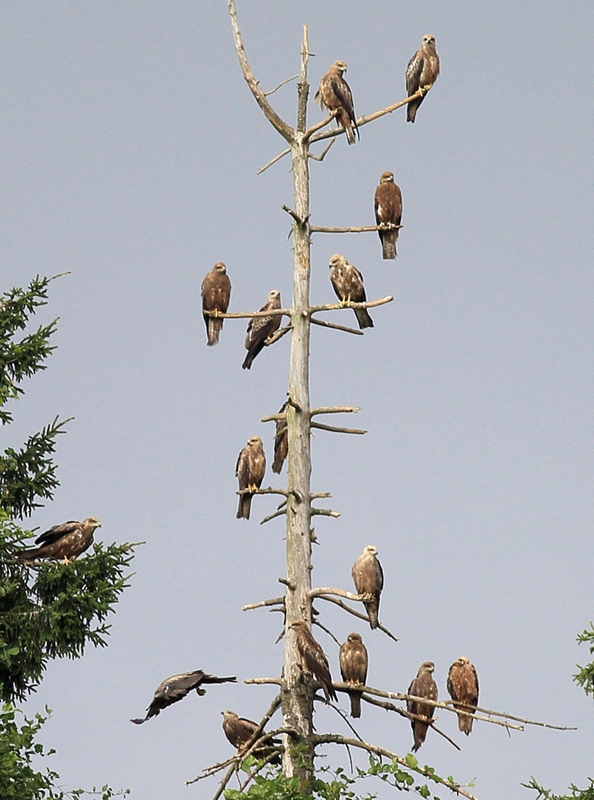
point(66, 541)
point(422, 686)
point(354, 661)
point(261, 328)
point(174, 689)
point(250, 469)
point(347, 282)
point(239, 731)
point(463, 687)
point(281, 441)
point(421, 73)
point(388, 208)
point(335, 94)
point(216, 292)
point(313, 658)
point(369, 579)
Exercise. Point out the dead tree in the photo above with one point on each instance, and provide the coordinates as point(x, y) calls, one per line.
point(296, 694)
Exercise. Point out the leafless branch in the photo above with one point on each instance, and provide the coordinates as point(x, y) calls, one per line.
point(357, 614)
point(324, 512)
point(274, 601)
point(294, 214)
point(319, 135)
point(324, 152)
point(346, 304)
point(319, 125)
point(325, 324)
point(504, 715)
point(264, 681)
point(319, 495)
point(278, 335)
point(334, 429)
point(334, 738)
point(268, 490)
point(327, 630)
point(274, 160)
point(273, 312)
point(276, 88)
point(334, 409)
point(273, 516)
point(365, 229)
point(274, 417)
point(324, 590)
point(285, 130)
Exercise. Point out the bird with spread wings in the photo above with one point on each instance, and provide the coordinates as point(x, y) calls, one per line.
point(368, 578)
point(335, 94)
point(421, 73)
point(388, 208)
point(250, 469)
point(463, 687)
point(66, 541)
point(175, 688)
point(422, 686)
point(347, 283)
point(261, 328)
point(216, 292)
point(354, 661)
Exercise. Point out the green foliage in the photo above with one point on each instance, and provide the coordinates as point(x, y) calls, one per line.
point(576, 794)
point(52, 609)
point(28, 473)
point(585, 676)
point(18, 778)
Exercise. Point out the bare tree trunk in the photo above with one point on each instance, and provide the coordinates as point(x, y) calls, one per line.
point(297, 700)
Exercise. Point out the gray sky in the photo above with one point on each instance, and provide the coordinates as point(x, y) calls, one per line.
point(129, 151)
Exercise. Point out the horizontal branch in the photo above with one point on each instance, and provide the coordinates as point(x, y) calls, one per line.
point(319, 135)
point(334, 409)
point(269, 490)
point(325, 590)
point(365, 229)
point(263, 681)
point(273, 312)
point(358, 614)
point(344, 328)
point(334, 738)
point(324, 512)
point(274, 601)
point(334, 429)
point(319, 495)
point(348, 304)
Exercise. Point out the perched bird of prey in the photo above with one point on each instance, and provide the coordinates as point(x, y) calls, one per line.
point(463, 687)
point(260, 328)
point(335, 94)
point(174, 689)
point(313, 658)
point(239, 731)
point(421, 73)
point(216, 291)
point(281, 442)
point(347, 282)
point(353, 667)
point(422, 686)
point(388, 208)
point(66, 541)
point(369, 579)
point(250, 469)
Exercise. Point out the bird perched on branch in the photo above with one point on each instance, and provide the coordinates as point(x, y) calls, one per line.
point(335, 94)
point(463, 687)
point(261, 328)
point(421, 73)
point(66, 541)
point(174, 689)
point(250, 469)
point(281, 441)
point(313, 658)
point(388, 208)
point(369, 579)
point(347, 282)
point(239, 731)
point(422, 686)
point(353, 667)
point(216, 292)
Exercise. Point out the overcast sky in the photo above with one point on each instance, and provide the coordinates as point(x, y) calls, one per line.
point(128, 154)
